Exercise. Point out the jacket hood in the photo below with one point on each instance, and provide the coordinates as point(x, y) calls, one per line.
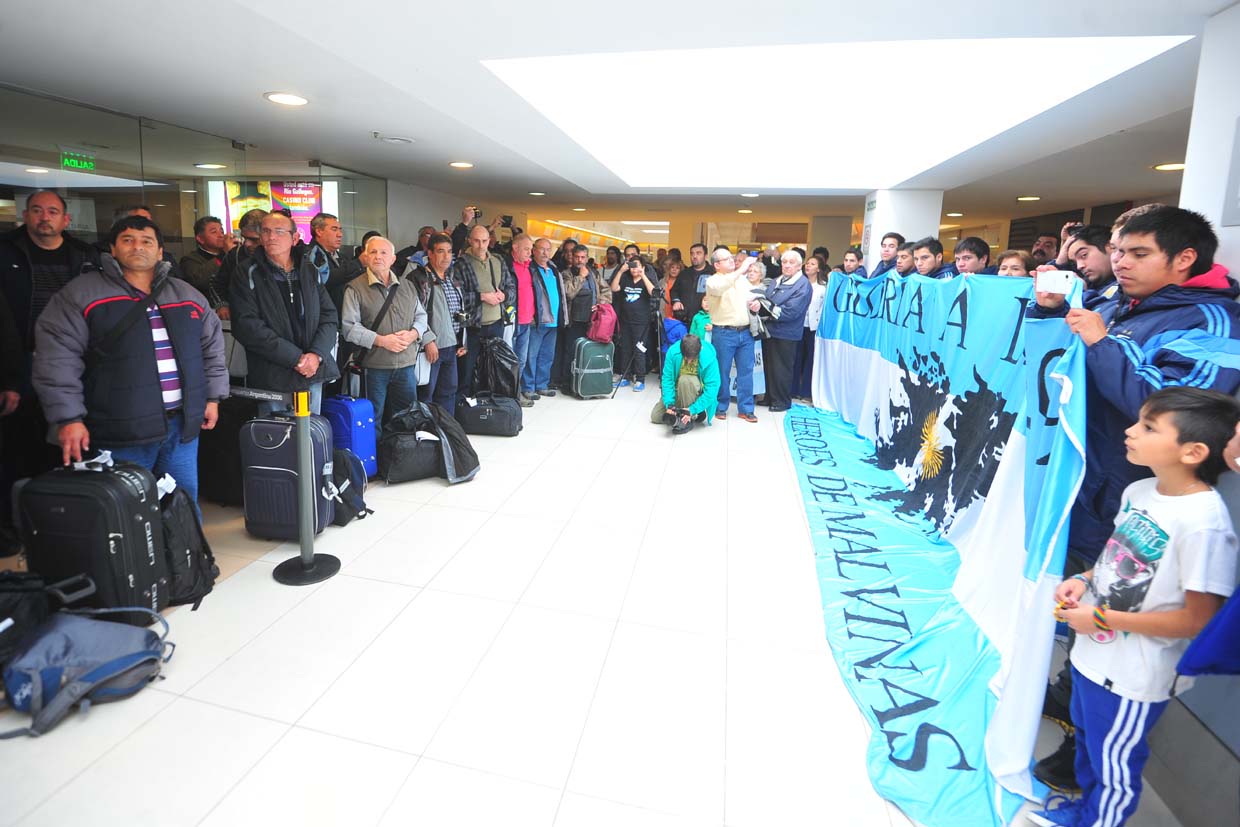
point(110, 268)
point(1211, 287)
point(1216, 278)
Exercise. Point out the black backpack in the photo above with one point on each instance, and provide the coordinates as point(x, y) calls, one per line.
point(349, 479)
point(191, 565)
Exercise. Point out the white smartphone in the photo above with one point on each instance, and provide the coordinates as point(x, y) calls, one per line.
point(1055, 281)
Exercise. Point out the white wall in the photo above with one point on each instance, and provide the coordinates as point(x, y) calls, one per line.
point(1216, 106)
point(411, 207)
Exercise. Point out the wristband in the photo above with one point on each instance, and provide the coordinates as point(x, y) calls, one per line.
point(1081, 577)
point(1100, 619)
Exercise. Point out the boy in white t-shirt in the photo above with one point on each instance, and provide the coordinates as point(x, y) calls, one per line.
point(1165, 571)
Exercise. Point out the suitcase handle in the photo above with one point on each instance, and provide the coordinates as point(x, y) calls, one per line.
point(57, 590)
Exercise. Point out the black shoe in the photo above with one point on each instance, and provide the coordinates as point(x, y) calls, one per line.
point(1056, 710)
point(680, 428)
point(1057, 770)
point(546, 392)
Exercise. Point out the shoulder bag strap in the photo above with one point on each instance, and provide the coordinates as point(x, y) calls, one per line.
point(100, 349)
point(359, 355)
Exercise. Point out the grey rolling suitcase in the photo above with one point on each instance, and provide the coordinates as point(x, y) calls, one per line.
point(592, 368)
point(270, 479)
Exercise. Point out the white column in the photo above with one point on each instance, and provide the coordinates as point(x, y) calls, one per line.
point(913, 214)
point(1211, 183)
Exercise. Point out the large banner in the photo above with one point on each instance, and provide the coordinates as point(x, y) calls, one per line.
point(938, 468)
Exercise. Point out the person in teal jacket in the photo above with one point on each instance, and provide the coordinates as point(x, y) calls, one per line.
point(690, 385)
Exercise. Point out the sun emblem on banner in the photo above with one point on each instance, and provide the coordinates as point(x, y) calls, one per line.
point(931, 451)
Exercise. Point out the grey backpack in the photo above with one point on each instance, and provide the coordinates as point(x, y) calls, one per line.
point(75, 660)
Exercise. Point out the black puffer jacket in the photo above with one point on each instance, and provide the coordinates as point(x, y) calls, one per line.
point(261, 323)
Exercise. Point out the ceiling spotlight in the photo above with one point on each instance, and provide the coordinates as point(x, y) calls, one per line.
point(209, 166)
point(159, 205)
point(286, 98)
point(579, 209)
point(537, 193)
point(663, 232)
point(36, 170)
point(744, 212)
point(750, 195)
point(1028, 198)
point(955, 215)
point(191, 192)
point(349, 192)
point(1169, 167)
point(461, 165)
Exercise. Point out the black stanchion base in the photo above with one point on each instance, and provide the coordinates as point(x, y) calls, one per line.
point(293, 573)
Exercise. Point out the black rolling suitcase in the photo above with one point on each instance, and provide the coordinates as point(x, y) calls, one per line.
point(269, 462)
point(489, 415)
point(219, 452)
point(104, 523)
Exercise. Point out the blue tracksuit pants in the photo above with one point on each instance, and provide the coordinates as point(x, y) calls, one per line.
point(1111, 750)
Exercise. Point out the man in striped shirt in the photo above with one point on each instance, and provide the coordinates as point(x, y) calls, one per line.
point(131, 360)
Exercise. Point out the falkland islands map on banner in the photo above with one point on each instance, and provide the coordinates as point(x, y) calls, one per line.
point(938, 468)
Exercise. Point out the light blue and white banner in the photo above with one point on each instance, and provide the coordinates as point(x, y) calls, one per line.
point(938, 468)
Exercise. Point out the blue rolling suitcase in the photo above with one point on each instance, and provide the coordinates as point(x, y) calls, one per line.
point(269, 476)
point(353, 428)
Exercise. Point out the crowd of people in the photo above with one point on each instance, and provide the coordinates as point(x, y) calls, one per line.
point(118, 346)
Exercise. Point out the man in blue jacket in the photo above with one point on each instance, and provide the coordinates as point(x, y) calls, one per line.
point(928, 259)
point(1175, 321)
point(888, 248)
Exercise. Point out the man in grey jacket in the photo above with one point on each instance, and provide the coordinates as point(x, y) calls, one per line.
point(389, 339)
point(131, 360)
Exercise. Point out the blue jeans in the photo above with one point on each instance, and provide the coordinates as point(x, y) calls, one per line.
point(400, 385)
point(441, 389)
point(738, 345)
point(520, 346)
point(169, 456)
point(539, 358)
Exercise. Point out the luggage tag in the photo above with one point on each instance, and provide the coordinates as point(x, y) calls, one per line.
point(100, 462)
point(166, 485)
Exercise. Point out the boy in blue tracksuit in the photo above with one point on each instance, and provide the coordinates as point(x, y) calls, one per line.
point(1165, 571)
point(1174, 322)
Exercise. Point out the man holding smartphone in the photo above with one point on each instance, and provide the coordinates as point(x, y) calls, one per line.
point(633, 287)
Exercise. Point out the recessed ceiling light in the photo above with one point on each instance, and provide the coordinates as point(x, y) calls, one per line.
point(350, 192)
point(286, 98)
point(36, 170)
point(1028, 198)
point(209, 166)
point(158, 205)
point(461, 165)
point(538, 193)
point(662, 232)
point(394, 139)
point(744, 212)
point(1169, 167)
point(579, 209)
point(955, 215)
point(646, 223)
point(750, 195)
point(189, 191)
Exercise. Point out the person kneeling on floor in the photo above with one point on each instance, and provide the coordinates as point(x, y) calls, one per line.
point(690, 385)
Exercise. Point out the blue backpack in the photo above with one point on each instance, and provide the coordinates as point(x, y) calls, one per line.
point(75, 660)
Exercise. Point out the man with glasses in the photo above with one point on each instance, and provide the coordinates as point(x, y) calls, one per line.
point(730, 299)
point(237, 259)
point(283, 317)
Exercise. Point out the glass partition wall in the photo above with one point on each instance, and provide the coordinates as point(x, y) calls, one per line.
point(103, 162)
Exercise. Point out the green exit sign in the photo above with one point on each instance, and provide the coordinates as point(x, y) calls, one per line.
point(77, 161)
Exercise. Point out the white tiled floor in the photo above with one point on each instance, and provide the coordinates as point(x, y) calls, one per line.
point(596, 632)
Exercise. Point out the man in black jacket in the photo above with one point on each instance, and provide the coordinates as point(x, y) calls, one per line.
point(283, 317)
point(325, 251)
point(36, 260)
point(200, 266)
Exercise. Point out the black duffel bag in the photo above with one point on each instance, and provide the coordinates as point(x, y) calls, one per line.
point(26, 600)
point(489, 415)
point(410, 448)
point(497, 369)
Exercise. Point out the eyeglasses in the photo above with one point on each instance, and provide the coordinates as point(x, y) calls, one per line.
point(274, 231)
point(1128, 565)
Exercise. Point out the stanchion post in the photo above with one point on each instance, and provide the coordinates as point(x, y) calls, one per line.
point(308, 567)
